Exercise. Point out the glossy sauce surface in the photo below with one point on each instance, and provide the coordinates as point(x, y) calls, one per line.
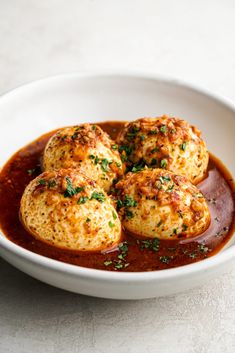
point(133, 254)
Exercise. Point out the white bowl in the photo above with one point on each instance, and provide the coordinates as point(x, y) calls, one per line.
point(33, 109)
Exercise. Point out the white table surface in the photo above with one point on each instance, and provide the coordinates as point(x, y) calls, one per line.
point(192, 40)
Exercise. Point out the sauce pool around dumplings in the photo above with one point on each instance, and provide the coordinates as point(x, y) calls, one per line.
point(132, 254)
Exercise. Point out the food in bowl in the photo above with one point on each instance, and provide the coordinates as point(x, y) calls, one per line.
point(66, 209)
point(168, 143)
point(86, 148)
point(163, 205)
point(168, 224)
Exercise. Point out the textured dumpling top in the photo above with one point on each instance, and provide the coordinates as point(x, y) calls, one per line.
point(68, 210)
point(88, 149)
point(165, 142)
point(159, 204)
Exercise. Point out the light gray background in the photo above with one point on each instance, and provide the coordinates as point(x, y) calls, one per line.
point(193, 40)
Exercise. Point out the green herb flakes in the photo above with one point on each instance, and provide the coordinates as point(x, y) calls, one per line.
point(51, 183)
point(164, 179)
point(165, 259)
point(31, 171)
point(108, 262)
point(114, 215)
point(111, 224)
point(71, 190)
point(151, 244)
point(129, 201)
point(82, 200)
point(129, 214)
point(202, 248)
point(99, 196)
point(163, 129)
point(183, 146)
point(163, 163)
point(42, 181)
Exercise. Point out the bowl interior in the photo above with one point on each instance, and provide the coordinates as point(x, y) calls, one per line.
point(34, 109)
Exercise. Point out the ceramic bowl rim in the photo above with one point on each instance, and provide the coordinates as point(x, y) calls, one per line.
point(215, 261)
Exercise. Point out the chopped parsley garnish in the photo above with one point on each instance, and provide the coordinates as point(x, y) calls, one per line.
point(111, 224)
point(64, 137)
point(31, 171)
point(138, 167)
point(71, 190)
point(132, 133)
point(183, 146)
point(185, 227)
point(51, 183)
point(156, 149)
point(104, 164)
point(74, 136)
point(99, 196)
point(94, 127)
point(96, 160)
point(120, 262)
point(159, 223)
point(163, 179)
point(127, 151)
point(114, 215)
point(142, 137)
point(118, 265)
point(114, 147)
point(163, 163)
point(170, 189)
point(122, 256)
point(125, 148)
point(202, 248)
point(193, 255)
point(123, 247)
point(165, 259)
point(123, 158)
point(153, 162)
point(129, 201)
point(82, 200)
point(151, 244)
point(119, 203)
point(163, 129)
point(129, 214)
point(88, 220)
point(153, 132)
point(126, 203)
point(108, 263)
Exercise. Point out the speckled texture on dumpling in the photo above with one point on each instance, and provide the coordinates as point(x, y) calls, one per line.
point(159, 204)
point(165, 142)
point(68, 210)
point(86, 148)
